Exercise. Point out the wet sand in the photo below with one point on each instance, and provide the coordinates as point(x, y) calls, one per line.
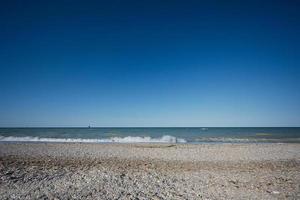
point(149, 171)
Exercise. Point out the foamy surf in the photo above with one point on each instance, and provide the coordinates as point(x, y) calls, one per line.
point(128, 139)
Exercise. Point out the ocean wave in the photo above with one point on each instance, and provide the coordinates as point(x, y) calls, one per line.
point(128, 139)
point(147, 139)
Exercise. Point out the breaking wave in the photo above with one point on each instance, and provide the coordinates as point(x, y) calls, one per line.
point(147, 139)
point(128, 139)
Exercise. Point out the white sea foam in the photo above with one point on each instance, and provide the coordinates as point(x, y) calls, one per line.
point(128, 139)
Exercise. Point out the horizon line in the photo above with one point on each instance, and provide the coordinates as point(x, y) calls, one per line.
point(149, 127)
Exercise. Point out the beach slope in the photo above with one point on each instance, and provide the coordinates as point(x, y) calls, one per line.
point(149, 171)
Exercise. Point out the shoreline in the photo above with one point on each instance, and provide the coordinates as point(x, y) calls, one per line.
point(161, 151)
point(149, 171)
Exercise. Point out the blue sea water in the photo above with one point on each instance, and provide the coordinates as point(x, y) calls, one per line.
point(153, 135)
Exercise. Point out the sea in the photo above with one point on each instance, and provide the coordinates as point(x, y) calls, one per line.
point(194, 135)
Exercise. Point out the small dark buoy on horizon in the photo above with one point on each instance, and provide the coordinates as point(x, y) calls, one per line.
point(89, 126)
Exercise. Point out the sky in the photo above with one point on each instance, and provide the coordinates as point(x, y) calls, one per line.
point(149, 63)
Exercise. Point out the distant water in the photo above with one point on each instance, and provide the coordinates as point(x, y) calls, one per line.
point(151, 135)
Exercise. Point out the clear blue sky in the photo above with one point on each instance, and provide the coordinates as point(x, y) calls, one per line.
point(149, 63)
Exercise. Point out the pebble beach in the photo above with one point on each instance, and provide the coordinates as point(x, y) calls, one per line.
point(149, 171)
